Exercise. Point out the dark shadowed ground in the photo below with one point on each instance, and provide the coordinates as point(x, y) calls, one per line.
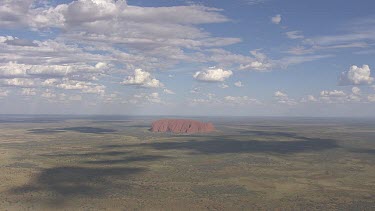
point(115, 163)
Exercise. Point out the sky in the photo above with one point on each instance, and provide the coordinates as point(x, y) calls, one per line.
point(180, 57)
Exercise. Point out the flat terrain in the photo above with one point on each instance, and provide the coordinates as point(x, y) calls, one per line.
point(98, 163)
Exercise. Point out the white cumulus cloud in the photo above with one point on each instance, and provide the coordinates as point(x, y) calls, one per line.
point(334, 93)
point(356, 90)
point(280, 94)
point(238, 84)
point(283, 98)
point(356, 76)
point(276, 19)
point(213, 74)
point(309, 98)
point(338, 96)
point(48, 94)
point(82, 86)
point(18, 82)
point(143, 79)
point(28, 91)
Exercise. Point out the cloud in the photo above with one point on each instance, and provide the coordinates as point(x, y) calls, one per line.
point(50, 82)
point(222, 57)
point(84, 87)
point(240, 100)
point(91, 35)
point(168, 91)
point(88, 11)
point(334, 93)
point(371, 98)
point(10, 40)
point(145, 98)
point(28, 92)
point(116, 21)
point(212, 99)
point(154, 98)
point(213, 74)
point(294, 35)
point(309, 98)
point(293, 60)
point(356, 76)
point(75, 98)
point(261, 62)
point(280, 94)
point(356, 34)
point(142, 79)
point(111, 98)
point(300, 50)
point(338, 96)
point(276, 19)
point(255, 65)
point(207, 98)
point(16, 70)
point(356, 90)
point(350, 37)
point(61, 98)
point(223, 86)
point(48, 94)
point(13, 70)
point(91, 39)
point(3, 93)
point(238, 84)
point(68, 84)
point(18, 82)
point(195, 90)
point(283, 98)
point(21, 42)
point(13, 12)
point(101, 65)
point(354, 98)
point(254, 2)
point(79, 46)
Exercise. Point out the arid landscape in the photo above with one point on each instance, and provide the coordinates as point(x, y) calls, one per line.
point(187, 105)
point(116, 163)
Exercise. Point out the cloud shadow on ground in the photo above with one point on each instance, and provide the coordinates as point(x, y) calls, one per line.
point(88, 154)
point(243, 143)
point(225, 145)
point(367, 151)
point(92, 130)
point(128, 159)
point(64, 182)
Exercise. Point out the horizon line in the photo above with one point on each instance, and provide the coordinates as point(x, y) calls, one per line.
point(176, 115)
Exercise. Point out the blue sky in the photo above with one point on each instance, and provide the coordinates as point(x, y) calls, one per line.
point(177, 57)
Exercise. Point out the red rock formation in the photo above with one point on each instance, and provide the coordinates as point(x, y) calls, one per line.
point(181, 126)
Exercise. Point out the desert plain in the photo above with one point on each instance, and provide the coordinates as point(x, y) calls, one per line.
point(248, 163)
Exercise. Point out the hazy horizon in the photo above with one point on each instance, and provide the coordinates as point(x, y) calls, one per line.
point(122, 116)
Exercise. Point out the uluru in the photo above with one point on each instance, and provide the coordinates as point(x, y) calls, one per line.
point(181, 126)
